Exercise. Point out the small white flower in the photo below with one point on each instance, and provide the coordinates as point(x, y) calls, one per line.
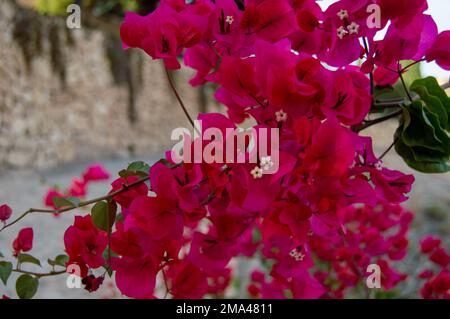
point(353, 28)
point(298, 256)
point(341, 32)
point(342, 14)
point(229, 20)
point(281, 116)
point(379, 165)
point(257, 172)
point(266, 163)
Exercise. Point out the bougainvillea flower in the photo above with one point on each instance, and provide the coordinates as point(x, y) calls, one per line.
point(159, 217)
point(162, 34)
point(135, 277)
point(125, 198)
point(349, 99)
point(203, 59)
point(23, 241)
point(96, 172)
point(429, 243)
point(269, 19)
point(332, 150)
point(77, 188)
point(84, 241)
point(186, 281)
point(440, 51)
point(392, 185)
point(5, 212)
point(282, 65)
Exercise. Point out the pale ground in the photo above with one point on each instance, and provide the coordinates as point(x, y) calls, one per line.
point(430, 200)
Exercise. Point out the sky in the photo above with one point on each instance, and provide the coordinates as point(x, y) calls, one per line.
point(440, 11)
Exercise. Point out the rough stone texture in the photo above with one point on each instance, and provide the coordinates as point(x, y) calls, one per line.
point(63, 97)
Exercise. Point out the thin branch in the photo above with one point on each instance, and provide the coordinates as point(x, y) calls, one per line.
point(412, 64)
point(177, 95)
point(124, 188)
point(377, 121)
point(388, 149)
point(400, 74)
point(39, 275)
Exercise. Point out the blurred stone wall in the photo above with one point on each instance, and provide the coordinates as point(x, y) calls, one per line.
point(68, 95)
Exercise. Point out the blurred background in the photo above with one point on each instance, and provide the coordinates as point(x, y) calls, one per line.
point(71, 97)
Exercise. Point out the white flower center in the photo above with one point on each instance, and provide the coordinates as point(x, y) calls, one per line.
point(281, 116)
point(257, 172)
point(229, 19)
point(353, 28)
point(342, 14)
point(341, 32)
point(297, 255)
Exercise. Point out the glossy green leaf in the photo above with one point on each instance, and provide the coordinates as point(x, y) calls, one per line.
point(435, 98)
point(135, 169)
point(59, 260)
point(26, 258)
point(26, 286)
point(62, 202)
point(5, 271)
point(104, 215)
point(139, 167)
point(421, 140)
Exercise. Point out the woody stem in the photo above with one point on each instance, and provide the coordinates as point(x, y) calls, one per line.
point(82, 204)
point(39, 275)
point(177, 95)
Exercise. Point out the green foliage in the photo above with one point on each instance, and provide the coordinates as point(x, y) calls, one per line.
point(26, 258)
point(135, 169)
point(53, 7)
point(422, 139)
point(435, 98)
point(97, 7)
point(5, 271)
point(61, 202)
point(26, 286)
point(59, 260)
point(104, 215)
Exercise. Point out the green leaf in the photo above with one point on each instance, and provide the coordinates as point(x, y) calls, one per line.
point(5, 271)
point(421, 141)
point(1, 255)
point(59, 260)
point(26, 286)
point(104, 215)
point(61, 202)
point(26, 258)
point(424, 166)
point(139, 167)
point(135, 169)
point(435, 98)
point(422, 128)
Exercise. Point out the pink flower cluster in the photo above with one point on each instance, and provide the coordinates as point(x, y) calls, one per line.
point(78, 186)
point(437, 285)
point(332, 202)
